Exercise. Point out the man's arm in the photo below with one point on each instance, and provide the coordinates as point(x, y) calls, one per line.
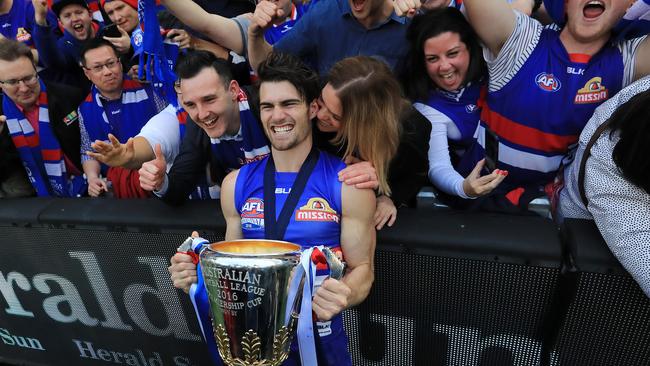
point(266, 13)
point(233, 220)
point(493, 20)
point(131, 155)
point(221, 30)
point(642, 61)
point(358, 240)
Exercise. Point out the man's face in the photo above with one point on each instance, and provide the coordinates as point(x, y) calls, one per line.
point(102, 67)
point(589, 20)
point(362, 9)
point(211, 104)
point(77, 21)
point(122, 14)
point(285, 115)
point(24, 94)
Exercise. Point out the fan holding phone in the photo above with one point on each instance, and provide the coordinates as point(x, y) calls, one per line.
point(444, 79)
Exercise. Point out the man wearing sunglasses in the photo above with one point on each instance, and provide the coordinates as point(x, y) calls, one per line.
point(42, 123)
point(116, 106)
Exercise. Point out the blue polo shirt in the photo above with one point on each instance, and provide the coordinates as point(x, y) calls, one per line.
point(328, 33)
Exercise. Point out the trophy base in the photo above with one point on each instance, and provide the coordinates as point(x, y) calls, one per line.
point(251, 348)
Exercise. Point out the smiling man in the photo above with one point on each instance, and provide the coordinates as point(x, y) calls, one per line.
point(225, 132)
point(61, 54)
point(115, 105)
point(564, 72)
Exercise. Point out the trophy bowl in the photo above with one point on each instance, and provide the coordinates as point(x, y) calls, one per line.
point(248, 287)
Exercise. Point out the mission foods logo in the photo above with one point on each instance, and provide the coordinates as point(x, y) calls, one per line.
point(317, 209)
point(547, 82)
point(593, 92)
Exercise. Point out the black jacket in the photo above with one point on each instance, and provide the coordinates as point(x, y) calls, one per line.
point(195, 153)
point(63, 102)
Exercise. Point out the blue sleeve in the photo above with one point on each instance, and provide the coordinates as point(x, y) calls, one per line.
point(50, 48)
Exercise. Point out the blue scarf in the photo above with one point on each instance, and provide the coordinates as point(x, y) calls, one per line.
point(250, 144)
point(41, 154)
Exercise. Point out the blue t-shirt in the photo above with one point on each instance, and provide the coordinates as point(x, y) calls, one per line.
point(328, 33)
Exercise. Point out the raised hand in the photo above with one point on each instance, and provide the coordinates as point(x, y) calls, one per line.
point(113, 153)
point(122, 43)
point(181, 37)
point(266, 14)
point(406, 8)
point(476, 185)
point(152, 173)
point(40, 12)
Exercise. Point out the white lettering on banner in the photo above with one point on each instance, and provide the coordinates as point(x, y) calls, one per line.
point(137, 357)
point(20, 341)
point(76, 310)
point(465, 345)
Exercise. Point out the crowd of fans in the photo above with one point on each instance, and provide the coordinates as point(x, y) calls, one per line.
point(493, 102)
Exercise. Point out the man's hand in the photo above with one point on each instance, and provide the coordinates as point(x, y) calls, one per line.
point(181, 37)
point(330, 299)
point(359, 173)
point(386, 212)
point(3, 121)
point(182, 271)
point(475, 185)
point(152, 173)
point(406, 8)
point(266, 14)
point(122, 43)
point(40, 12)
point(113, 154)
point(96, 186)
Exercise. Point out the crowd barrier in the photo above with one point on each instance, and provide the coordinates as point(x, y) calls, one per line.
point(85, 282)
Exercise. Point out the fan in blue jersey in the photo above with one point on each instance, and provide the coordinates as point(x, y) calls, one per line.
point(296, 196)
point(444, 79)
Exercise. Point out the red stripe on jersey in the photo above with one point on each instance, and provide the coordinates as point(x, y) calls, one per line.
point(51, 155)
point(524, 135)
point(131, 84)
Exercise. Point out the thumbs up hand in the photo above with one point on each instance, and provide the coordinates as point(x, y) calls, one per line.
point(152, 173)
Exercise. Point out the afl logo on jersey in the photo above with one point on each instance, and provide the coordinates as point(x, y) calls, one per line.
point(547, 82)
point(317, 209)
point(252, 214)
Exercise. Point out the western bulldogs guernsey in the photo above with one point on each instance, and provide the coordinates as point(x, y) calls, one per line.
point(539, 114)
point(315, 221)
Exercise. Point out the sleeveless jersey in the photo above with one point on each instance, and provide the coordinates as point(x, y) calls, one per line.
point(315, 221)
point(539, 114)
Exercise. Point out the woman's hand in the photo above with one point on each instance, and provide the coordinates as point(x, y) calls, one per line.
point(361, 174)
point(386, 212)
point(476, 185)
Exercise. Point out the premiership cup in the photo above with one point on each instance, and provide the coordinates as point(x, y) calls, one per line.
point(248, 287)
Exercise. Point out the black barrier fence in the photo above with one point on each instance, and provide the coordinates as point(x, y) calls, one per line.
point(86, 282)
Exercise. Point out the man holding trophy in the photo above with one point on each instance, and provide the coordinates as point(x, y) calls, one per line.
point(297, 192)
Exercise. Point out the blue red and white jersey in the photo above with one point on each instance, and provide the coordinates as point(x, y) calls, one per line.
point(276, 32)
point(250, 143)
point(461, 107)
point(317, 217)
point(19, 23)
point(539, 114)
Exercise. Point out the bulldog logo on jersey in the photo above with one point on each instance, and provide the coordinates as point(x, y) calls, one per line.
point(252, 214)
point(593, 92)
point(22, 35)
point(547, 82)
point(317, 209)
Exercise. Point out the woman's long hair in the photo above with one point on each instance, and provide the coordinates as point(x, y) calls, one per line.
point(372, 103)
point(417, 82)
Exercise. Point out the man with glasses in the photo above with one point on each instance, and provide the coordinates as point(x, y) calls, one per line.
point(42, 123)
point(114, 106)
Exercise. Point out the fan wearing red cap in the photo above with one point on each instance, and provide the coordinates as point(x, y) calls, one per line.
point(124, 13)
